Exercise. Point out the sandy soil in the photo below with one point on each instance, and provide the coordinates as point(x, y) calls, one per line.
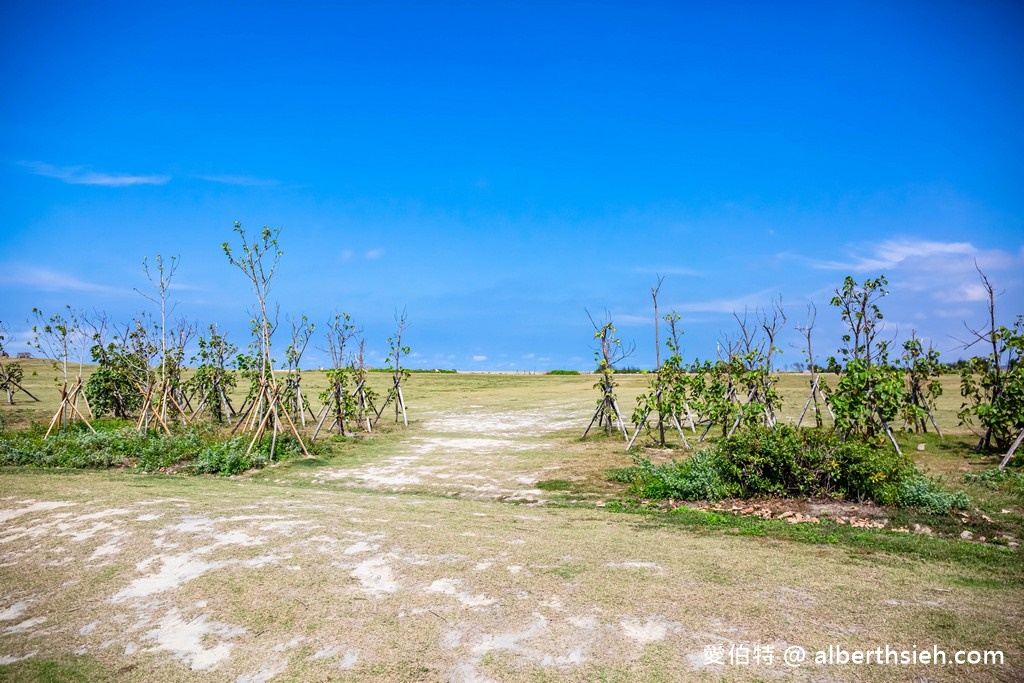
point(369, 574)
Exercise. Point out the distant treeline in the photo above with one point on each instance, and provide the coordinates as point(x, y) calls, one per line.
point(427, 370)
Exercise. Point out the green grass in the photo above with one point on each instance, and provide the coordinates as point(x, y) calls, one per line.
point(970, 560)
point(554, 485)
point(80, 669)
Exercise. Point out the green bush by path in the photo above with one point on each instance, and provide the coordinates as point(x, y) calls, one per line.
point(117, 443)
point(799, 463)
point(562, 372)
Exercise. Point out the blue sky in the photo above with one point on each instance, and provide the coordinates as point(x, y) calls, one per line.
point(500, 169)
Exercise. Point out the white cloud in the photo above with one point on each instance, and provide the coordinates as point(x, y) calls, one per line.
point(373, 254)
point(241, 180)
point(892, 253)
point(671, 270)
point(479, 358)
point(79, 175)
point(736, 304)
point(948, 271)
point(46, 280)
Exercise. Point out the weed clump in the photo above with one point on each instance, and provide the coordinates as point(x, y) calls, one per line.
point(1008, 480)
point(117, 443)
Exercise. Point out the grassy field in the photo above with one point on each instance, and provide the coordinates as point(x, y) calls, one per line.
point(484, 542)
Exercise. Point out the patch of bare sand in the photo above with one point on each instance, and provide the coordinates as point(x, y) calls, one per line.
point(470, 454)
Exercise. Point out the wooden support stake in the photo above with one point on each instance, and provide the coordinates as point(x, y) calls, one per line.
point(1009, 453)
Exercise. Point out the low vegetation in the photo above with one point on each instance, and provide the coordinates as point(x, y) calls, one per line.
point(118, 444)
point(798, 463)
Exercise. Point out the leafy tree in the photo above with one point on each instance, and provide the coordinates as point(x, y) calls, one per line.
point(258, 261)
point(212, 379)
point(993, 385)
point(394, 364)
point(922, 371)
point(609, 352)
point(667, 397)
point(291, 397)
point(342, 405)
point(11, 373)
point(124, 377)
point(710, 391)
point(869, 393)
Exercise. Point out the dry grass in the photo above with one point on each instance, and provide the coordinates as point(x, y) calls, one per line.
point(428, 554)
point(178, 579)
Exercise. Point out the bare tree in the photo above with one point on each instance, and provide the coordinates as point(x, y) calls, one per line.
point(60, 337)
point(398, 373)
point(657, 362)
point(160, 279)
point(815, 381)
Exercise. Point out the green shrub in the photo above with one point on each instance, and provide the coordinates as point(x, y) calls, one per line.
point(562, 372)
point(923, 493)
point(117, 443)
point(701, 477)
point(791, 462)
point(228, 458)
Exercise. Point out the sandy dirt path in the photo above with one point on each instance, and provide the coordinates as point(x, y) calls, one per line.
point(219, 580)
point(472, 452)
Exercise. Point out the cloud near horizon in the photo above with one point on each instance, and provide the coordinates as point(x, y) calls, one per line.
point(46, 280)
point(889, 254)
point(80, 175)
point(240, 180)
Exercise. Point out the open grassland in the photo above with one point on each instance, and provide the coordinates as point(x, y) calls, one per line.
point(480, 543)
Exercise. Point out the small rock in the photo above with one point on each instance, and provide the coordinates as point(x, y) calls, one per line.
point(1013, 545)
point(600, 504)
point(966, 535)
point(922, 529)
point(981, 539)
point(920, 446)
point(786, 514)
point(747, 511)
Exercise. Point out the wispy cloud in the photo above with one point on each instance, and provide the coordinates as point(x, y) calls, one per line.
point(946, 270)
point(46, 280)
point(478, 358)
point(241, 180)
point(374, 254)
point(674, 270)
point(729, 305)
point(891, 253)
point(80, 175)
